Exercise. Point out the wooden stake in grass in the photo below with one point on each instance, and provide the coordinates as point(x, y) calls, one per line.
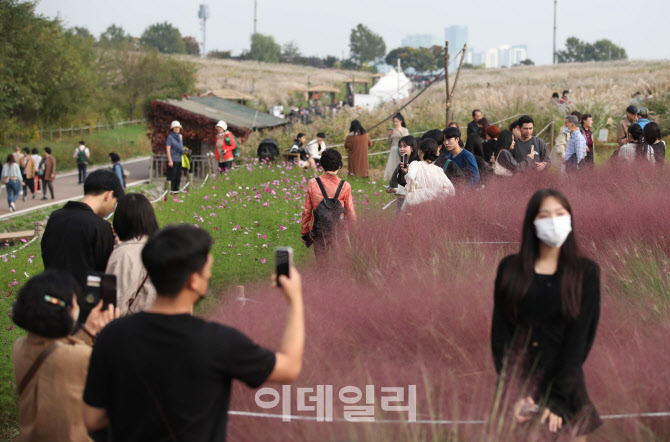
point(446, 79)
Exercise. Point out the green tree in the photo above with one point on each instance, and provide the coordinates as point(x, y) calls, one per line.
point(113, 36)
point(365, 46)
point(290, 49)
point(192, 46)
point(164, 37)
point(135, 77)
point(263, 48)
point(527, 62)
point(577, 51)
point(419, 59)
point(46, 72)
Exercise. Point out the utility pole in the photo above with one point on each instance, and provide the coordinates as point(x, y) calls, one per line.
point(203, 15)
point(553, 54)
point(255, 14)
point(446, 79)
point(398, 78)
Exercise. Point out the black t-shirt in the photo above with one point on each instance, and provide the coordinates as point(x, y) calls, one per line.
point(168, 377)
point(77, 241)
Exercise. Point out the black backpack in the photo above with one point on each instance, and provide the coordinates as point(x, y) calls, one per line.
point(330, 215)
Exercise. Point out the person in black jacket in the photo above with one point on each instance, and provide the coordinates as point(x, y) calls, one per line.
point(77, 240)
point(545, 316)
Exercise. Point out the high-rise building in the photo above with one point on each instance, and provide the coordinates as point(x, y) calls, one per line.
point(457, 36)
point(420, 41)
point(518, 53)
point(492, 60)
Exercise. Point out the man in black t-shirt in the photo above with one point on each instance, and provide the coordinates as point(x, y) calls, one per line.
point(77, 240)
point(164, 374)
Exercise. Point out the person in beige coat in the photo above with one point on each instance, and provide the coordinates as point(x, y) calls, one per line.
point(50, 364)
point(134, 222)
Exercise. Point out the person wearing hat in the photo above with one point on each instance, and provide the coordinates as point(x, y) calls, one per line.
point(174, 147)
point(225, 147)
point(491, 143)
point(622, 130)
point(643, 117)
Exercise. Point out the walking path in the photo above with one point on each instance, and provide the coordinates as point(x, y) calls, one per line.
point(66, 188)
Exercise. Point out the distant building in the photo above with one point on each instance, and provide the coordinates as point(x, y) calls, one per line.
point(457, 37)
point(492, 60)
point(420, 41)
point(518, 54)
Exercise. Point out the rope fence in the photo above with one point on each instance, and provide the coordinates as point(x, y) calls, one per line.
point(289, 417)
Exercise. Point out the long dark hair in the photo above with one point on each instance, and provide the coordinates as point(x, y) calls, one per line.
point(411, 142)
point(485, 123)
point(518, 274)
point(297, 139)
point(401, 118)
point(504, 140)
point(636, 135)
point(356, 128)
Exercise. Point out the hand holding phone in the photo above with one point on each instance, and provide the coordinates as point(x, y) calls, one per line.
point(283, 262)
point(405, 160)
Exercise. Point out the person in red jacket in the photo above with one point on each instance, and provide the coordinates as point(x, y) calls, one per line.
point(321, 219)
point(226, 147)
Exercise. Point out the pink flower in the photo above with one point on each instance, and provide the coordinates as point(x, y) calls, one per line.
point(11, 327)
point(267, 189)
point(237, 227)
point(281, 226)
point(263, 261)
point(206, 197)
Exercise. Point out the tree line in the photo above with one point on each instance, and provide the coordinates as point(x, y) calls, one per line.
point(53, 76)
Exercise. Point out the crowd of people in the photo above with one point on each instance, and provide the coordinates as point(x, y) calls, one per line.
point(25, 170)
point(148, 369)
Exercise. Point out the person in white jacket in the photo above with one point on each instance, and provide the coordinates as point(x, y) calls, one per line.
point(425, 180)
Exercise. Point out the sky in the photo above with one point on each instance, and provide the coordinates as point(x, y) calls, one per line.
point(322, 28)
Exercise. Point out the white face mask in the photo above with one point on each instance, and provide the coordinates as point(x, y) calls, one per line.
point(553, 231)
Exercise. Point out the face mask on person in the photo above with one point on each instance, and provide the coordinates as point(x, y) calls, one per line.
point(566, 130)
point(553, 231)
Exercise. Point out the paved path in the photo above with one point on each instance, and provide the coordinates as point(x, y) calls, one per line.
point(66, 188)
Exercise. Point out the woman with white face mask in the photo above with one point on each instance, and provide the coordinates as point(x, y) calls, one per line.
point(546, 311)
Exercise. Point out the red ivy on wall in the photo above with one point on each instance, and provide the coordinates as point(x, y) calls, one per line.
point(194, 126)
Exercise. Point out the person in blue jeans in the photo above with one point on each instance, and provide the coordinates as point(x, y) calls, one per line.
point(11, 177)
point(174, 147)
point(463, 158)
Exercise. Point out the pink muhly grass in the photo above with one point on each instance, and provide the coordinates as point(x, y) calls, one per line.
point(409, 301)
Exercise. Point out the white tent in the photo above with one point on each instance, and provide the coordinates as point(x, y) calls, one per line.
point(392, 86)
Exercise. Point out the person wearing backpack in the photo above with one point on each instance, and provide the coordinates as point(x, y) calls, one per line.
point(226, 147)
point(82, 154)
point(329, 205)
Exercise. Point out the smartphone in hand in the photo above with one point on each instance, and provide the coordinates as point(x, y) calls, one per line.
point(100, 286)
point(405, 160)
point(283, 262)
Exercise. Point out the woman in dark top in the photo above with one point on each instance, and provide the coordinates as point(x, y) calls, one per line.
point(505, 156)
point(545, 315)
point(474, 145)
point(397, 183)
point(652, 135)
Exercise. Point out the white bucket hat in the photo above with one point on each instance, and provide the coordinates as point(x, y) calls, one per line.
point(222, 124)
point(174, 124)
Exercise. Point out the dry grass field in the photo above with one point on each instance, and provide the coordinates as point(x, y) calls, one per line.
point(601, 89)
